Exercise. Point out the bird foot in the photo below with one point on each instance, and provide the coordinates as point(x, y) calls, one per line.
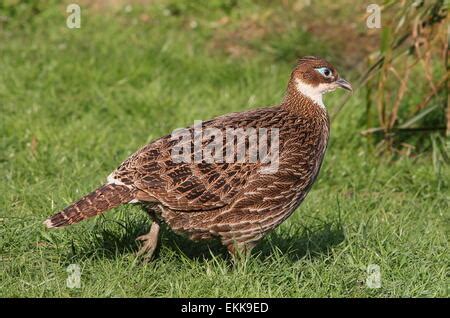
point(150, 242)
point(239, 251)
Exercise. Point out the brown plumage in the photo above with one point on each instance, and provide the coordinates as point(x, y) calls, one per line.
point(234, 201)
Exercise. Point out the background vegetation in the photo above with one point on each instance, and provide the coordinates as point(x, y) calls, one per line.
point(75, 103)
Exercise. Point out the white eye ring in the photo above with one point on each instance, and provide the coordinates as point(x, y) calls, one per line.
point(324, 71)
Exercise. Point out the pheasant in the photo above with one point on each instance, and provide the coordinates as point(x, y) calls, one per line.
point(234, 200)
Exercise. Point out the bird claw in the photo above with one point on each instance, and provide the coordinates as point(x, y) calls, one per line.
point(150, 242)
point(147, 250)
point(143, 237)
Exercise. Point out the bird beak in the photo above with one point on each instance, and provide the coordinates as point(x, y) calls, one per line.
point(344, 84)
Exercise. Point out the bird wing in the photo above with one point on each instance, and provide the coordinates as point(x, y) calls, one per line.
point(194, 186)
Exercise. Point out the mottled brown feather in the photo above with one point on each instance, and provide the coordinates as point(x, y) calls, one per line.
point(104, 198)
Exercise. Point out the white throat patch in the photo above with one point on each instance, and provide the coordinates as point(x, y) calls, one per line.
point(313, 92)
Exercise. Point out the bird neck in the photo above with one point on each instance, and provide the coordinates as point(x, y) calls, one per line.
point(303, 104)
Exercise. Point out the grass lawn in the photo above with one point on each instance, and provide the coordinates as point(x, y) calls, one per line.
point(75, 103)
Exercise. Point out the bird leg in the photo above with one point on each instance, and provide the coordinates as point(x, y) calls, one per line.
point(240, 250)
point(150, 240)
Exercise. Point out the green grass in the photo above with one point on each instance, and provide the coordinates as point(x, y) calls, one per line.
point(75, 103)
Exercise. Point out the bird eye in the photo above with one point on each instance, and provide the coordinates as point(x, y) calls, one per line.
point(325, 71)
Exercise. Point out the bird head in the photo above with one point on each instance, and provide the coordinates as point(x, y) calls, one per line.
point(313, 77)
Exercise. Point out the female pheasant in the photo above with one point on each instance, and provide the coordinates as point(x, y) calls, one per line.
point(234, 200)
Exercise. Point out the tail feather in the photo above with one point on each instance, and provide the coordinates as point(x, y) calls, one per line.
point(99, 201)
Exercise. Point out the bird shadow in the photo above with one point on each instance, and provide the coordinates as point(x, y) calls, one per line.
point(294, 243)
point(310, 241)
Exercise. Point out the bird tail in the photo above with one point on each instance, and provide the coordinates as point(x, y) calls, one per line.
point(104, 198)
